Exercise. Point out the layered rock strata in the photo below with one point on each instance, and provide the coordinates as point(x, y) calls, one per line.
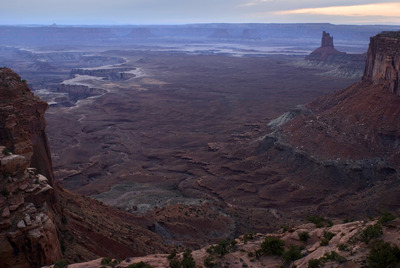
point(335, 62)
point(27, 203)
point(383, 61)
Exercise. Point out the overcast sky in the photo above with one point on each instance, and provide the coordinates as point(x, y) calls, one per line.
point(198, 11)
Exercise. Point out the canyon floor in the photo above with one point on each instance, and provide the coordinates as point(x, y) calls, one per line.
point(177, 141)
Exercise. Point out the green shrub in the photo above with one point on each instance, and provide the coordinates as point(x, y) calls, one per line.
point(188, 261)
point(106, 261)
point(209, 262)
point(317, 220)
point(272, 246)
point(248, 236)
point(371, 232)
point(314, 263)
point(383, 254)
point(342, 247)
point(328, 235)
point(304, 236)
point(324, 242)
point(386, 217)
point(174, 263)
point(333, 256)
point(6, 151)
point(292, 254)
point(285, 228)
point(172, 255)
point(220, 249)
point(140, 265)
point(61, 264)
point(109, 262)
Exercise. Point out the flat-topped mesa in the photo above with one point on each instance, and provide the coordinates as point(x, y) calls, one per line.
point(383, 61)
point(327, 40)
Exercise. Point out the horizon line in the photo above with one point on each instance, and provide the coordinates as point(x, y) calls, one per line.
point(55, 25)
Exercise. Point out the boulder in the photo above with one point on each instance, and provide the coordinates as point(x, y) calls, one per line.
point(14, 164)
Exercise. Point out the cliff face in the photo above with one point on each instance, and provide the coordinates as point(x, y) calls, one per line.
point(77, 92)
point(36, 215)
point(28, 233)
point(327, 40)
point(383, 61)
point(22, 123)
point(346, 144)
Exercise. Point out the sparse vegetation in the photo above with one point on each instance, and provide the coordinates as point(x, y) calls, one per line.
point(109, 262)
point(328, 235)
point(6, 151)
point(386, 217)
point(106, 260)
point(292, 254)
point(343, 247)
point(61, 264)
point(223, 247)
point(324, 242)
point(272, 246)
point(209, 262)
point(383, 254)
point(371, 232)
point(248, 236)
point(140, 265)
point(314, 263)
point(328, 256)
point(304, 236)
point(333, 256)
point(186, 262)
point(319, 221)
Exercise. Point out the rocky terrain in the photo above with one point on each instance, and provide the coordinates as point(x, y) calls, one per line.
point(348, 169)
point(40, 222)
point(28, 202)
point(319, 244)
point(178, 136)
point(171, 136)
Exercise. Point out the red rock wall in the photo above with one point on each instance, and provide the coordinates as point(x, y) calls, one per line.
point(383, 61)
point(326, 40)
point(22, 122)
point(28, 233)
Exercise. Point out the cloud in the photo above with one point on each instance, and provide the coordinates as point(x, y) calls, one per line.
point(382, 9)
point(254, 3)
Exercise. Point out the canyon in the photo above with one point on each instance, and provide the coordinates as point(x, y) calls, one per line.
point(155, 138)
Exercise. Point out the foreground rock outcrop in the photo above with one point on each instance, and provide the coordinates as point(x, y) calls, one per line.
point(41, 223)
point(22, 122)
point(318, 244)
point(29, 237)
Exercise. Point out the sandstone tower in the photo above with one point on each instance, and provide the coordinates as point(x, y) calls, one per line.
point(327, 40)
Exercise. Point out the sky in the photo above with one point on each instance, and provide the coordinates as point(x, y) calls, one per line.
point(133, 12)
